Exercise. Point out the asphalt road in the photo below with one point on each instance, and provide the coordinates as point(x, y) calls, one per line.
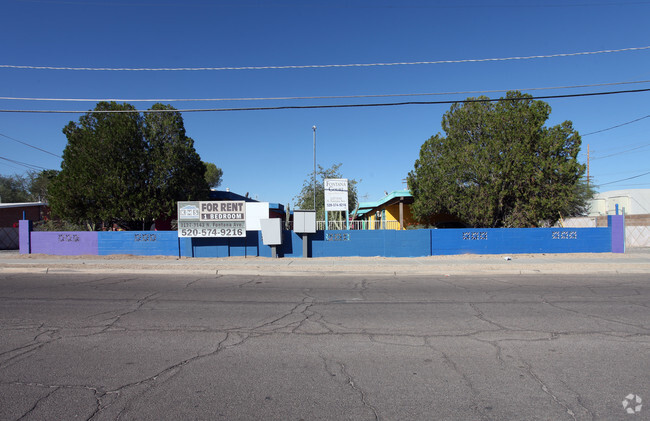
point(244, 347)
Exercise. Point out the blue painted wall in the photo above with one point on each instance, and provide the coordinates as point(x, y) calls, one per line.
point(388, 243)
point(140, 243)
point(520, 240)
point(223, 247)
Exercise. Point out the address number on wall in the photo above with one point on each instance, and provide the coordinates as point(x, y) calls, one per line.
point(145, 237)
point(475, 235)
point(565, 235)
point(337, 237)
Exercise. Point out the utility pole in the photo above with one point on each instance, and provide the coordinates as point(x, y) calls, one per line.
point(314, 129)
point(588, 177)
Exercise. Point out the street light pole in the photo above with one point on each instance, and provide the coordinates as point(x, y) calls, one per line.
point(314, 129)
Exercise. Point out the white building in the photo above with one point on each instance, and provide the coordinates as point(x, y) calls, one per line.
point(629, 202)
point(633, 203)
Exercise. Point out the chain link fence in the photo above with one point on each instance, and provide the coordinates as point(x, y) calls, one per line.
point(9, 239)
point(635, 235)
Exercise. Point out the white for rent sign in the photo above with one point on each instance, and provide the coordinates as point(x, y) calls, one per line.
point(212, 219)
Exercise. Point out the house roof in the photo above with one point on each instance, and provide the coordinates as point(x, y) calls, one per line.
point(21, 205)
point(392, 197)
point(386, 199)
point(228, 195)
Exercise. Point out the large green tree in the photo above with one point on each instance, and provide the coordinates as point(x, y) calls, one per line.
point(497, 165)
point(102, 176)
point(175, 169)
point(121, 167)
point(305, 200)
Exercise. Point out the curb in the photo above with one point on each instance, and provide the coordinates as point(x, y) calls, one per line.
point(636, 262)
point(326, 270)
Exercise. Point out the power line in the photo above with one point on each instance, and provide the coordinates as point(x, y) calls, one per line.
point(624, 179)
point(609, 174)
point(318, 66)
point(617, 126)
point(10, 166)
point(31, 146)
point(344, 5)
point(489, 91)
point(307, 107)
point(621, 152)
point(635, 184)
point(616, 148)
point(23, 164)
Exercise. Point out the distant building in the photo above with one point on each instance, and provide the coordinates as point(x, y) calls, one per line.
point(634, 204)
point(276, 210)
point(627, 202)
point(11, 213)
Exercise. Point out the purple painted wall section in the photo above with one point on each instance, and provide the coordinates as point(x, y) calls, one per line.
point(24, 228)
point(64, 243)
point(617, 224)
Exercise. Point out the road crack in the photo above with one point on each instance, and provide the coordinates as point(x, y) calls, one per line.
point(139, 304)
point(592, 316)
point(476, 407)
point(41, 399)
point(164, 376)
point(545, 389)
point(362, 394)
point(479, 315)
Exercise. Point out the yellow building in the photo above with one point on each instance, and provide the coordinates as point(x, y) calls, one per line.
point(393, 212)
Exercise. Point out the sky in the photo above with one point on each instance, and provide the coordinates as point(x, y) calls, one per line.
point(269, 153)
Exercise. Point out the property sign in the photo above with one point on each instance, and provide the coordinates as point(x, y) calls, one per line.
point(336, 194)
point(212, 219)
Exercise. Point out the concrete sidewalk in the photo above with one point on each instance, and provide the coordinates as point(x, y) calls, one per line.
point(633, 261)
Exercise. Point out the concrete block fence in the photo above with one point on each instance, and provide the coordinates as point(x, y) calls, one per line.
point(387, 243)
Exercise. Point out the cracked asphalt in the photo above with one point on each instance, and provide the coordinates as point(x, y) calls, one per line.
point(107, 345)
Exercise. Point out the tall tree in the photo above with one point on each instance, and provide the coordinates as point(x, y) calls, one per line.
point(176, 171)
point(102, 176)
point(121, 167)
point(213, 174)
point(305, 200)
point(498, 166)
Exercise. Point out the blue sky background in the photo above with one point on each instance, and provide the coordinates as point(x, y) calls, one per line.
point(269, 153)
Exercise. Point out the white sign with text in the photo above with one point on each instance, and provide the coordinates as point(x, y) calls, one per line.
point(336, 194)
point(212, 219)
